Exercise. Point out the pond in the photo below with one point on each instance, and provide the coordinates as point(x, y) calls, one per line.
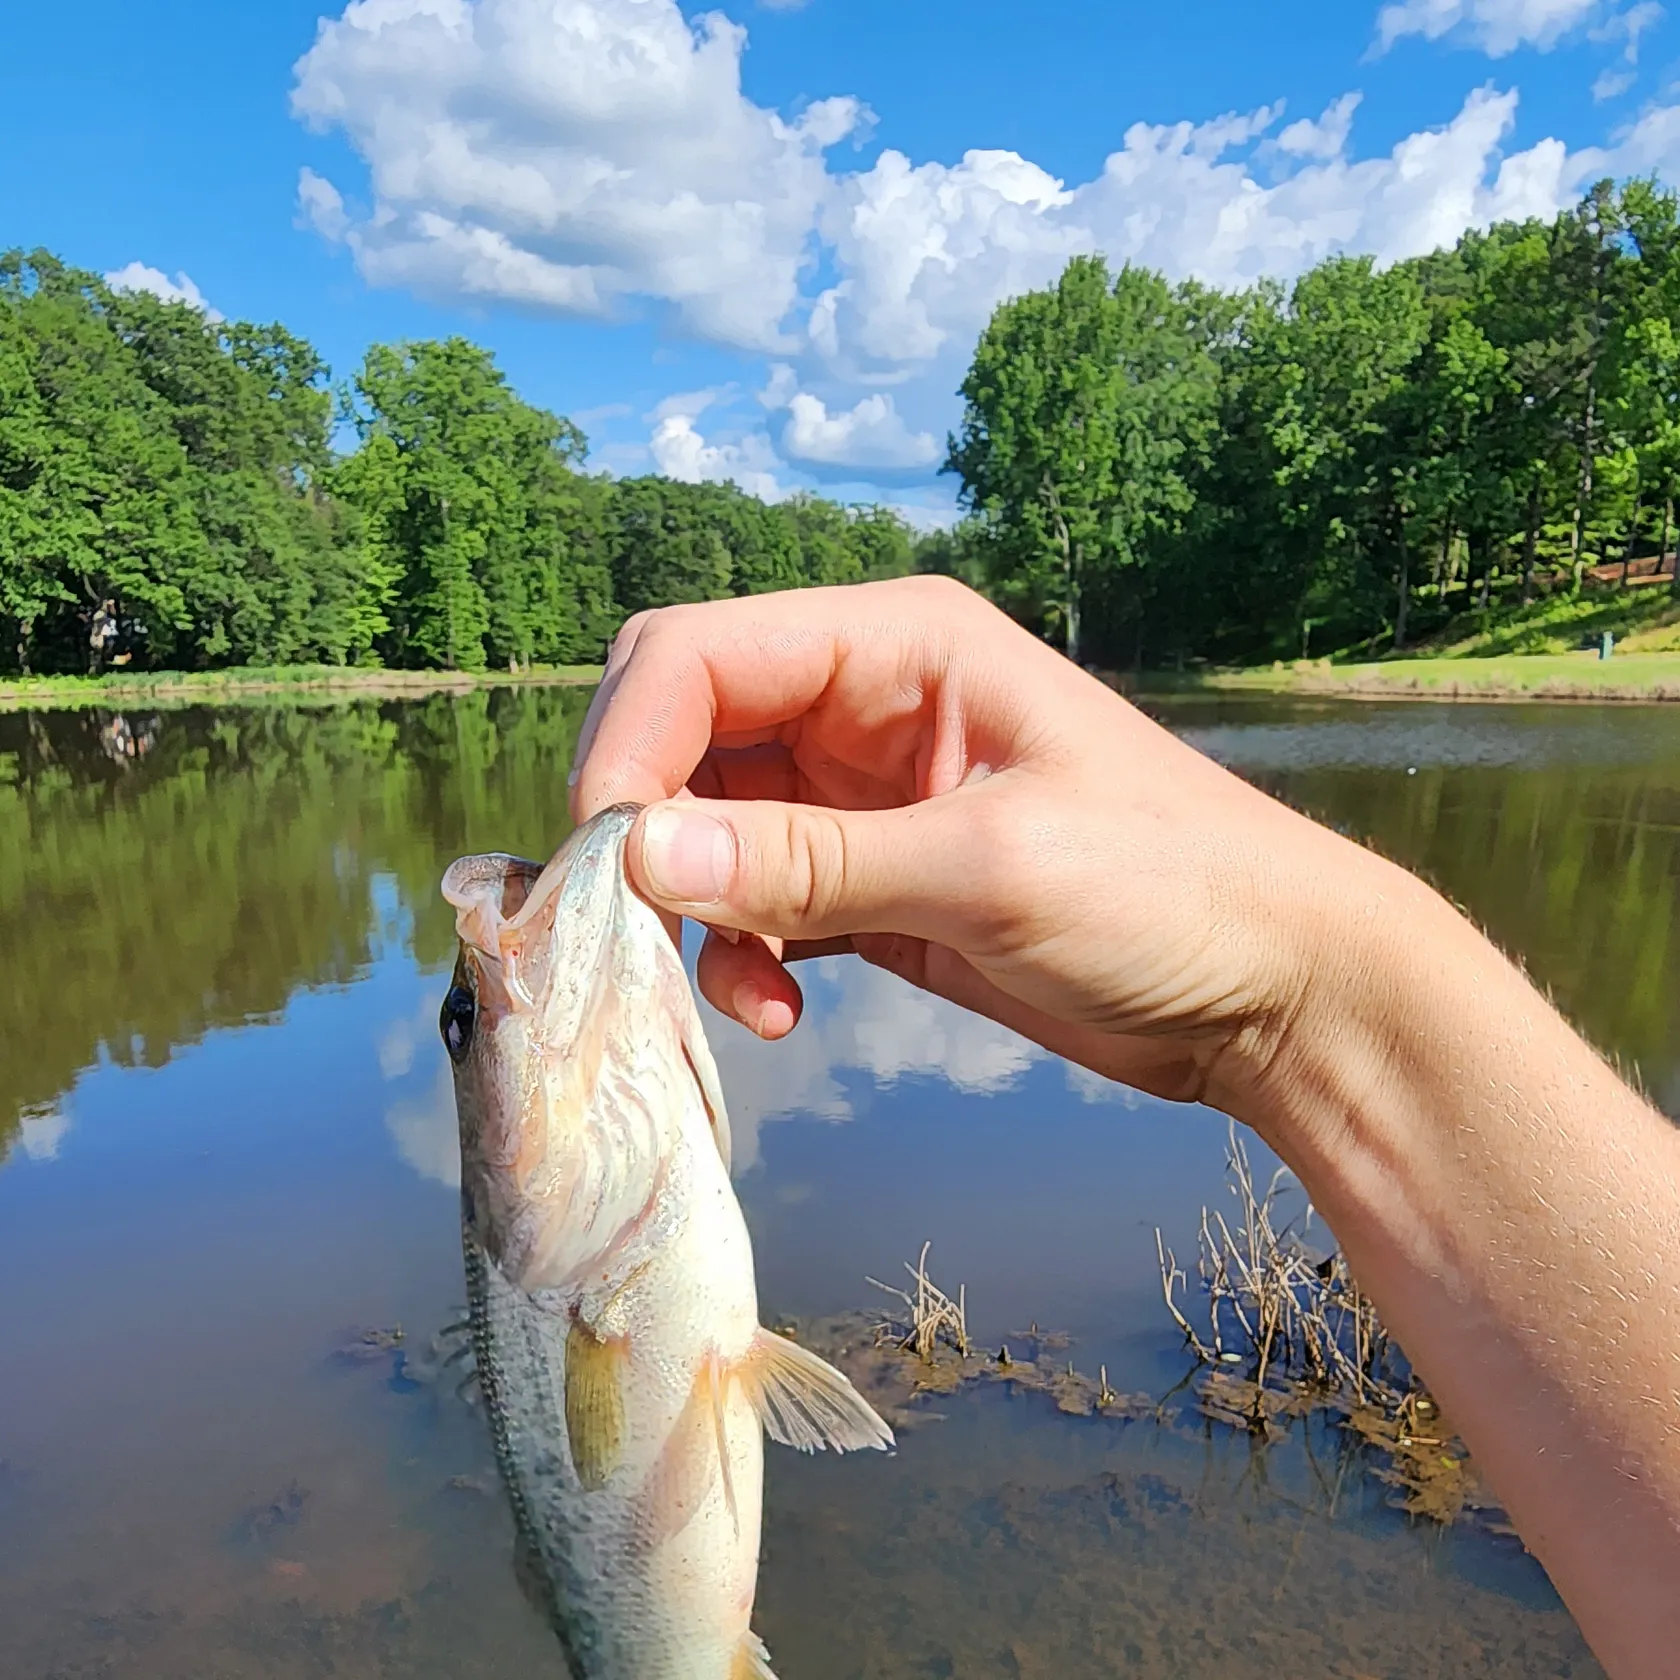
point(228, 1147)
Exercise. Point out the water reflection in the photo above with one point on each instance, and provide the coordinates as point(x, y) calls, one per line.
point(231, 1143)
point(1556, 826)
point(145, 900)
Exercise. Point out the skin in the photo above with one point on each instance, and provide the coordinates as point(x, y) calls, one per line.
point(897, 770)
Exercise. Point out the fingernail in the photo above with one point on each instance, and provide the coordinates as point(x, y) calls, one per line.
point(729, 935)
point(749, 1004)
point(689, 857)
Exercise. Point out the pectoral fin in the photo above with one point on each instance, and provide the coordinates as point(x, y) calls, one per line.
point(804, 1402)
point(594, 1403)
point(752, 1661)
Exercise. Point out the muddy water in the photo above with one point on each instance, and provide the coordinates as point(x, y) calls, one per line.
point(228, 1149)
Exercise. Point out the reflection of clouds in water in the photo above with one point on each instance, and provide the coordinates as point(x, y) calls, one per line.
point(858, 1019)
point(423, 1129)
point(41, 1131)
point(403, 1038)
point(867, 1020)
point(1093, 1088)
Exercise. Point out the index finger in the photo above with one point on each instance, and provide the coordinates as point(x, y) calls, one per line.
point(743, 667)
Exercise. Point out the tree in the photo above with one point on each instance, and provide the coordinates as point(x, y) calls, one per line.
point(471, 510)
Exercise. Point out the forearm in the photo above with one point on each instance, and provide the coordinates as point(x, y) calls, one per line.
point(1514, 1209)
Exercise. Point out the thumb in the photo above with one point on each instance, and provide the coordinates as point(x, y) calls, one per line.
point(810, 872)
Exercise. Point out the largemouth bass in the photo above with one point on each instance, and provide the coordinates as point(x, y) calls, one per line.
point(627, 1379)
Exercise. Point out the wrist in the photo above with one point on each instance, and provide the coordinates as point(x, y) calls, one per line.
point(1377, 984)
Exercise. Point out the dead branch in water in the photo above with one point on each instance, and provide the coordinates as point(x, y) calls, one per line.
point(1278, 1308)
point(934, 1316)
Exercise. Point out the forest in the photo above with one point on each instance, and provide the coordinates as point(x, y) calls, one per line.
point(1155, 473)
point(171, 498)
point(1149, 472)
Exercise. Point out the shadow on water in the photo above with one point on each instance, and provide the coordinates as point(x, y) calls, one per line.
point(229, 1151)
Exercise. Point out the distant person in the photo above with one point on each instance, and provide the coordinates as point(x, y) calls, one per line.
point(898, 770)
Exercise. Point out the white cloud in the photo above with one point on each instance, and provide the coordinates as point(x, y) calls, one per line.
point(137, 277)
point(871, 434)
point(575, 156)
point(1326, 138)
point(1498, 27)
point(1611, 84)
point(568, 156)
point(680, 452)
point(927, 252)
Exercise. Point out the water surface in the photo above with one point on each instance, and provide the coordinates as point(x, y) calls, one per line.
point(228, 1146)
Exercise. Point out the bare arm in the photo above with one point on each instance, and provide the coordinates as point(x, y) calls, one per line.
point(898, 771)
point(1514, 1210)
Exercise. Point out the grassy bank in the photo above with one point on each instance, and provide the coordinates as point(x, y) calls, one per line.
point(1558, 676)
point(175, 688)
point(1544, 651)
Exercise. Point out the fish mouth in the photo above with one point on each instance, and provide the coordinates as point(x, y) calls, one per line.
point(507, 908)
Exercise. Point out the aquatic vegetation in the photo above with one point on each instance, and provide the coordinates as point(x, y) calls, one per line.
point(896, 1360)
point(1290, 1335)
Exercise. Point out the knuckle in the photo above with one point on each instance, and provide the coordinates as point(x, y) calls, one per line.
point(817, 885)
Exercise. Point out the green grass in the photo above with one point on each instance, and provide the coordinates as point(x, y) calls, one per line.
point(1645, 620)
point(1539, 676)
point(125, 688)
point(1544, 651)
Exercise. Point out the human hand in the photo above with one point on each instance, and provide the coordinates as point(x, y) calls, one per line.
point(897, 769)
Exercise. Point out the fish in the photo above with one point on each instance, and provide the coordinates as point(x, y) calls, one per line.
point(613, 1308)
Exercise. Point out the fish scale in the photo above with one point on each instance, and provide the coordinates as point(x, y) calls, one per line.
point(627, 1381)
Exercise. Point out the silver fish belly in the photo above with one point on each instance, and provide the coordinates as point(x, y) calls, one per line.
point(627, 1380)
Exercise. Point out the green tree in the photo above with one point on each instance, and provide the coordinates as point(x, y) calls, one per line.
point(476, 527)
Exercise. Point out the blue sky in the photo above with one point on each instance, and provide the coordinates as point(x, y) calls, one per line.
point(758, 241)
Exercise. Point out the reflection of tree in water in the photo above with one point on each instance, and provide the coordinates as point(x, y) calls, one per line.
point(1574, 869)
point(146, 899)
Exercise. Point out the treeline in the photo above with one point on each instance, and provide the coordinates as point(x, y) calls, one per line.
point(170, 497)
point(1155, 472)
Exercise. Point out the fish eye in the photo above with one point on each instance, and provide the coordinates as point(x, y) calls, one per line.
point(455, 1021)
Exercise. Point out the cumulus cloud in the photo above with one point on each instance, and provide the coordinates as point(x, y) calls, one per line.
point(137, 277)
point(579, 157)
point(681, 452)
point(1325, 138)
point(870, 434)
point(928, 251)
point(1498, 27)
point(568, 156)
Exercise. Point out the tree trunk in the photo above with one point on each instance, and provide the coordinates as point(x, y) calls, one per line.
point(1070, 570)
point(1662, 549)
point(1073, 603)
point(1632, 537)
point(1486, 593)
point(1439, 568)
point(1583, 493)
point(1404, 594)
point(1531, 541)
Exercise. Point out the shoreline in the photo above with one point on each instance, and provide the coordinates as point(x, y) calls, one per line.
point(1641, 678)
point(303, 682)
